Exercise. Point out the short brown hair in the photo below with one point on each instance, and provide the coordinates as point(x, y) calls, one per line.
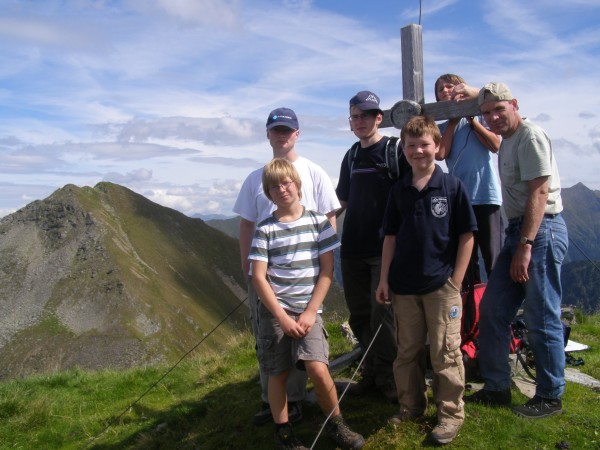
point(277, 170)
point(447, 78)
point(419, 126)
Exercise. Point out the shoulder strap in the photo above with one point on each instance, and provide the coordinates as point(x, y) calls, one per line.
point(393, 157)
point(352, 156)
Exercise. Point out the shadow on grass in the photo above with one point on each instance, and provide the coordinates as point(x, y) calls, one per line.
point(221, 419)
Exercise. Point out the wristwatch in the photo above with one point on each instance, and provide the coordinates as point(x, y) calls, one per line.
point(524, 240)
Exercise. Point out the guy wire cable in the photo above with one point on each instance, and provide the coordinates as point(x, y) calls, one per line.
point(366, 352)
point(584, 254)
point(153, 385)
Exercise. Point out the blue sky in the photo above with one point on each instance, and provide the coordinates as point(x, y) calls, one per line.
point(170, 97)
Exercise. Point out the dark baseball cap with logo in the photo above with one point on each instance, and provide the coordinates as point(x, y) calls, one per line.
point(283, 117)
point(365, 101)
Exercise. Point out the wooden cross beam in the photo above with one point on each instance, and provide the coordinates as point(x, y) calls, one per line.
point(412, 87)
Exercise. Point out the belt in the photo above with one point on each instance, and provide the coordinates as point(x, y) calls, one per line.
point(519, 219)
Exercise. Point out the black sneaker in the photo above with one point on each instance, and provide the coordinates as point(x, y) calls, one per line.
point(389, 392)
point(490, 398)
point(343, 436)
point(294, 412)
point(363, 387)
point(263, 416)
point(285, 439)
point(538, 408)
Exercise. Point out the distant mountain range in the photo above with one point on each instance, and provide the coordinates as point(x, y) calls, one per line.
point(581, 271)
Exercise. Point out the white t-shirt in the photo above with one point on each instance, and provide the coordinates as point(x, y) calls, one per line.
point(318, 193)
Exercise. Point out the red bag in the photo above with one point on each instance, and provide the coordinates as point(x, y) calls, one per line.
point(469, 330)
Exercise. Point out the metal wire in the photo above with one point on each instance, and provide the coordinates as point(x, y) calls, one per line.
point(153, 385)
point(366, 352)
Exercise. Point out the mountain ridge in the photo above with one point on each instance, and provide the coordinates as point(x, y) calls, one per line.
point(102, 277)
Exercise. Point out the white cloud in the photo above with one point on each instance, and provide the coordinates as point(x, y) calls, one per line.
point(170, 97)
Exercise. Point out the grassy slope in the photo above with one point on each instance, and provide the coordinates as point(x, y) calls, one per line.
point(206, 402)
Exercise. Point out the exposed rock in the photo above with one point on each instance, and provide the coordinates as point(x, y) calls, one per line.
point(103, 277)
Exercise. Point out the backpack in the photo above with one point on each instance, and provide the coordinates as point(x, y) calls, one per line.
point(469, 333)
point(394, 158)
point(469, 329)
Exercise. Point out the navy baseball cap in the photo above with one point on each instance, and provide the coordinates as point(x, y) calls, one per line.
point(365, 101)
point(283, 117)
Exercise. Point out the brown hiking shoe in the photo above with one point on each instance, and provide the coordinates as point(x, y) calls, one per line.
point(403, 416)
point(343, 436)
point(444, 433)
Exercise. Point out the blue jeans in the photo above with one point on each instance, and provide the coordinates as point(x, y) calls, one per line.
point(540, 298)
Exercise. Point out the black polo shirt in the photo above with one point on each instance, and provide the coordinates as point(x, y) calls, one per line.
point(427, 225)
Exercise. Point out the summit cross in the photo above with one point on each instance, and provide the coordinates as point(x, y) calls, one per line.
point(413, 103)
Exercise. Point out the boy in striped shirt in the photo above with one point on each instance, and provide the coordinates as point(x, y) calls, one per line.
point(292, 267)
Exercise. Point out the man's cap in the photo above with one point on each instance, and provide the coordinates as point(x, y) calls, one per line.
point(365, 101)
point(283, 117)
point(494, 92)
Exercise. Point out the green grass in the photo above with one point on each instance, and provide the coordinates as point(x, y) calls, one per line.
point(207, 401)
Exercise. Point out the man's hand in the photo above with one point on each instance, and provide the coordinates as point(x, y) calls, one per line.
point(520, 264)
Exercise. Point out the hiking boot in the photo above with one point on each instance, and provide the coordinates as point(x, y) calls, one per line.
point(343, 436)
point(403, 416)
point(285, 439)
point(538, 408)
point(444, 433)
point(490, 398)
point(389, 392)
point(264, 416)
point(364, 386)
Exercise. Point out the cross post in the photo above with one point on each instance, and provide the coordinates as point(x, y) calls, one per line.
point(414, 104)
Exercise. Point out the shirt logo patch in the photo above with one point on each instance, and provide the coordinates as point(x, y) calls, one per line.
point(454, 312)
point(439, 206)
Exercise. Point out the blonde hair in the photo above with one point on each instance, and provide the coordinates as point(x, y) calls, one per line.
point(276, 171)
point(419, 126)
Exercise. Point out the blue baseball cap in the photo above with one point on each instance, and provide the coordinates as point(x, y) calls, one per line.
point(365, 101)
point(283, 117)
